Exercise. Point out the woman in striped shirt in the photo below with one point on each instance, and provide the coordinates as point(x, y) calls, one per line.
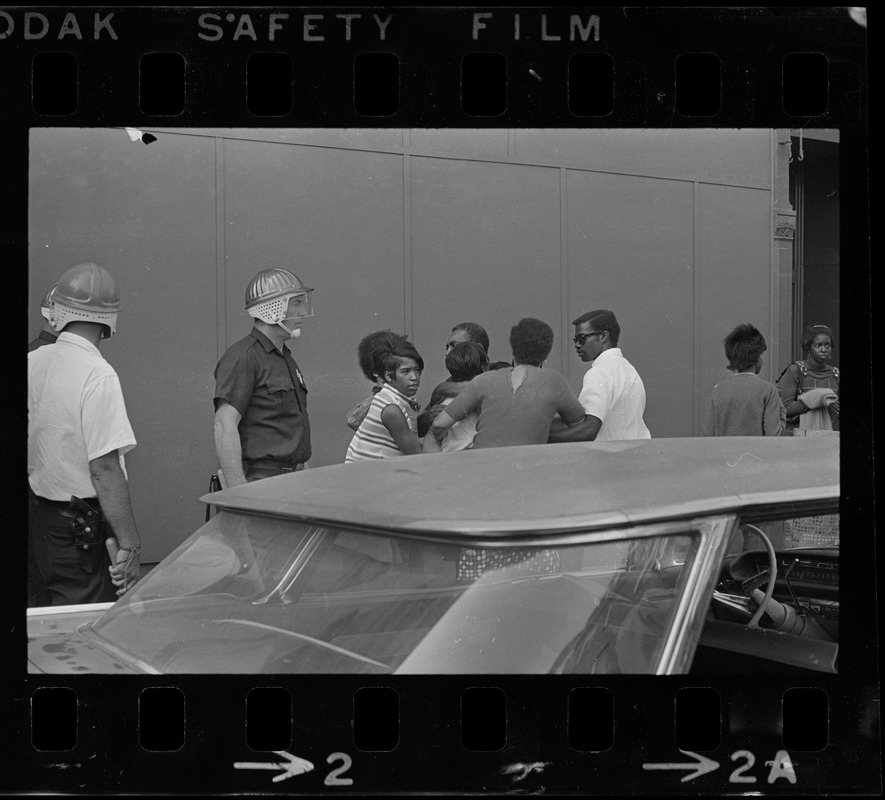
point(390, 427)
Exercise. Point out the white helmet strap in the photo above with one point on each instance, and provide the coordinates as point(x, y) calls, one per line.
point(60, 315)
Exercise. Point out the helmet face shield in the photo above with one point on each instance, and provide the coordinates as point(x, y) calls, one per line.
point(300, 305)
point(285, 311)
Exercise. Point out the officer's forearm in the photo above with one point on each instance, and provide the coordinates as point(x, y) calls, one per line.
point(112, 491)
point(230, 453)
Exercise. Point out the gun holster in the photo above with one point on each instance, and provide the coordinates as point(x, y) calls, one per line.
point(87, 524)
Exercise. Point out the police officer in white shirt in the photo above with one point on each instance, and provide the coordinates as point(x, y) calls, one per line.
point(78, 432)
point(613, 394)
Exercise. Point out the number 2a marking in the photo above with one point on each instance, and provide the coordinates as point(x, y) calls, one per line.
point(332, 778)
point(738, 775)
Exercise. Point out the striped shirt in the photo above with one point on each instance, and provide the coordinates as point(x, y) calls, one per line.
point(372, 439)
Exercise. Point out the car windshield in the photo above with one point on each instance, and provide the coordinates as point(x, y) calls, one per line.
point(251, 594)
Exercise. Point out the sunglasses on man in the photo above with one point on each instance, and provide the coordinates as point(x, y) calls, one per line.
point(582, 337)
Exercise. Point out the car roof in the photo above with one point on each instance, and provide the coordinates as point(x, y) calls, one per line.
point(555, 488)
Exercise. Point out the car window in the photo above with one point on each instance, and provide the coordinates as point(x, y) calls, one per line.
point(798, 627)
point(254, 594)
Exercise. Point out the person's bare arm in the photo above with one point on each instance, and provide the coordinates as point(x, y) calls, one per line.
point(446, 389)
point(440, 425)
point(112, 491)
point(228, 447)
point(402, 434)
point(585, 430)
point(426, 417)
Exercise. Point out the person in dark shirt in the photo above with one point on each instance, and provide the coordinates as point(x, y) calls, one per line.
point(262, 427)
point(810, 388)
point(449, 388)
point(48, 334)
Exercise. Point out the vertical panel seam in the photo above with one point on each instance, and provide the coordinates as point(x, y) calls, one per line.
point(563, 267)
point(220, 251)
point(773, 258)
point(407, 245)
point(696, 381)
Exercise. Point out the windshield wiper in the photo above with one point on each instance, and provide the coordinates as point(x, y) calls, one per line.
point(306, 638)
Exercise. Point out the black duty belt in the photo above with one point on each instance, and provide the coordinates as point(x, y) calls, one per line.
point(62, 507)
point(274, 467)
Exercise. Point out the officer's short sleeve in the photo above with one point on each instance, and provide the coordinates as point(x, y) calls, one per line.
point(235, 380)
point(105, 424)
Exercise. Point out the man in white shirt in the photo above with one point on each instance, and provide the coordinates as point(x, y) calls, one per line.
point(613, 394)
point(78, 432)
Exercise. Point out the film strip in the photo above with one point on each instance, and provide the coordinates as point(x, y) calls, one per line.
point(248, 77)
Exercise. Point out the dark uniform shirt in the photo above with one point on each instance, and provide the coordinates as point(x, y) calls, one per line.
point(268, 390)
point(45, 337)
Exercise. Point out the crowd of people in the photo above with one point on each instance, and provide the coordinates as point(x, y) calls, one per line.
point(79, 432)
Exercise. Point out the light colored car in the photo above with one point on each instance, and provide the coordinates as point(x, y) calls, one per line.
point(654, 556)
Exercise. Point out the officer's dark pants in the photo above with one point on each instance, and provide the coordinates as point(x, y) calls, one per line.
point(58, 572)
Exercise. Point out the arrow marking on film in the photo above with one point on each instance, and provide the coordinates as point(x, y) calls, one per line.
point(700, 767)
point(295, 766)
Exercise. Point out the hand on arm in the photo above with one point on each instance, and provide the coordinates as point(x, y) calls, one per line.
point(447, 390)
point(431, 445)
point(395, 422)
point(228, 447)
point(426, 418)
point(440, 425)
point(112, 491)
point(443, 391)
point(584, 427)
point(557, 425)
point(584, 430)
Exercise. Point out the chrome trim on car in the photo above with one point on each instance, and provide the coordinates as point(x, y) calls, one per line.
point(43, 611)
point(715, 533)
point(312, 539)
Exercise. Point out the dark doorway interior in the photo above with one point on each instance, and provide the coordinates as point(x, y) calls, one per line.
point(814, 193)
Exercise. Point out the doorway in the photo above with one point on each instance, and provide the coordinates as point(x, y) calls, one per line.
point(814, 194)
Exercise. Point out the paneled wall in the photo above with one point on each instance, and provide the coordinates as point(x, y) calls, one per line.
point(415, 230)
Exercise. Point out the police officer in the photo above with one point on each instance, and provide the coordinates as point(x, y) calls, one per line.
point(78, 432)
point(261, 423)
point(47, 335)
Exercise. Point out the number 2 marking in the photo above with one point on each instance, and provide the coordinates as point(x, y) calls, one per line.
point(738, 775)
point(332, 778)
